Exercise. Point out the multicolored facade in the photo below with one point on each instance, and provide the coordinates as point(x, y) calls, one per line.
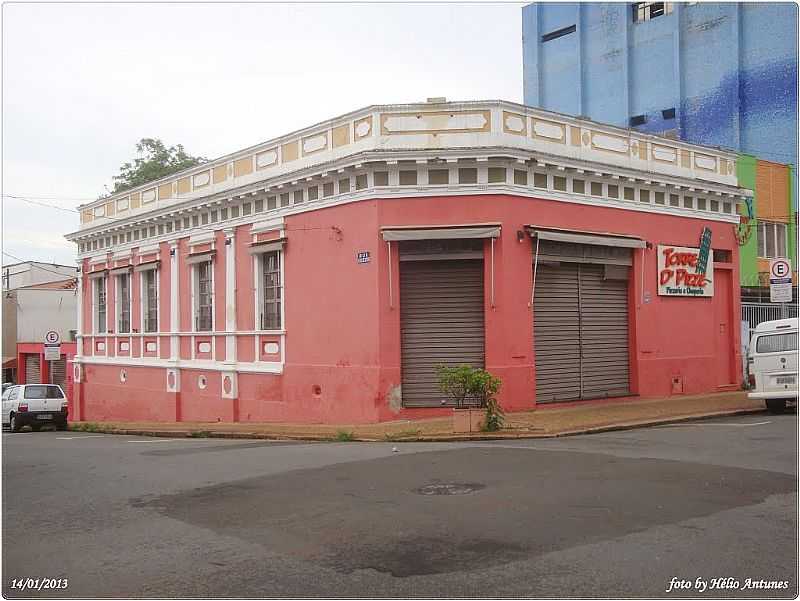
point(324, 275)
point(769, 223)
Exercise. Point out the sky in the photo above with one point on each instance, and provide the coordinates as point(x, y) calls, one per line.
point(82, 83)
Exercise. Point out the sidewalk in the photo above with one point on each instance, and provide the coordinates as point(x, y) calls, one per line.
point(545, 422)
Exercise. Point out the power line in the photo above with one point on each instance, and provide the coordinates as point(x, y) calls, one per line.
point(41, 204)
point(40, 197)
point(63, 275)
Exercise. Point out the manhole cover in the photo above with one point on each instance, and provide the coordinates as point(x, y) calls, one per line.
point(449, 488)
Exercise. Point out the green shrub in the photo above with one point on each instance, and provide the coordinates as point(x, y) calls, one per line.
point(467, 385)
point(345, 436)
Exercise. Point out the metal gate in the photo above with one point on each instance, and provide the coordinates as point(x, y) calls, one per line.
point(756, 313)
point(441, 323)
point(32, 370)
point(581, 331)
point(58, 373)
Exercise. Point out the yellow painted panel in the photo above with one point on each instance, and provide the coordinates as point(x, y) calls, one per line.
point(242, 166)
point(220, 173)
point(341, 135)
point(164, 191)
point(575, 135)
point(772, 191)
point(290, 151)
point(86, 216)
point(111, 209)
point(184, 185)
point(135, 202)
point(685, 159)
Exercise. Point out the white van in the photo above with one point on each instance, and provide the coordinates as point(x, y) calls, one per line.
point(772, 363)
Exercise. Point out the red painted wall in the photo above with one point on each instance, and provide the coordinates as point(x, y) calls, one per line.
point(342, 341)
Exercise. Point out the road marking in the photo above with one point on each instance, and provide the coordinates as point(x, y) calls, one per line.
point(158, 440)
point(728, 424)
point(76, 437)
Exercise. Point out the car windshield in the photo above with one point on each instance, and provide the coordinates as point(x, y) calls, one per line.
point(777, 343)
point(43, 391)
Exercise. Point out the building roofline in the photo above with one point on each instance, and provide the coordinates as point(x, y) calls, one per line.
point(385, 107)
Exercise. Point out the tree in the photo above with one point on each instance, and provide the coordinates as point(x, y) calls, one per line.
point(155, 161)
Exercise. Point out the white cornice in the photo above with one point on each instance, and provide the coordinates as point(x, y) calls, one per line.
point(449, 139)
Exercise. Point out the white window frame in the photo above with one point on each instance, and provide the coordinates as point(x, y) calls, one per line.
point(764, 242)
point(258, 273)
point(143, 299)
point(96, 283)
point(118, 304)
point(196, 297)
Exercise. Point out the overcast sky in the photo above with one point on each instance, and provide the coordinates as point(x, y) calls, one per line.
point(82, 83)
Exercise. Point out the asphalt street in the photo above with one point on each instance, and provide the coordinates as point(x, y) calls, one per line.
point(618, 514)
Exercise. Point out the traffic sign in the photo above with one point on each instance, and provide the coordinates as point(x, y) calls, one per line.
point(780, 280)
point(52, 352)
point(52, 337)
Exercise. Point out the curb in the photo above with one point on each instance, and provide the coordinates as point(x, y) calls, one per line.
point(649, 423)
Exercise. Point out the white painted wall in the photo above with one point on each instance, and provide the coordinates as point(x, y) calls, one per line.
point(28, 274)
point(39, 311)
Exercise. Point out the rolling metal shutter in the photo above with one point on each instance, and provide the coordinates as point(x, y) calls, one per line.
point(556, 333)
point(604, 333)
point(32, 372)
point(58, 373)
point(441, 322)
point(581, 331)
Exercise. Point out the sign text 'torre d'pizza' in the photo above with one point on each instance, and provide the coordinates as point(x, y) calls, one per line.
point(679, 272)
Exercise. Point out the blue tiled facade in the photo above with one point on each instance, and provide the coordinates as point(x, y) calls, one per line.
point(728, 70)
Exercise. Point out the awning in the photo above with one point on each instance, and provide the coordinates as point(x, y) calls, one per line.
point(266, 246)
point(121, 270)
point(201, 257)
point(147, 266)
point(10, 363)
point(583, 237)
point(446, 232)
point(100, 273)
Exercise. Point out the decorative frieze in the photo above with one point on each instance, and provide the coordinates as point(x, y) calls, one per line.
point(441, 127)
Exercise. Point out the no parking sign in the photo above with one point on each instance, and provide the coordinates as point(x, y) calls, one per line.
point(780, 280)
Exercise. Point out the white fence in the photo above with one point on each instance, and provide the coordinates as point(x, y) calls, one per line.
point(755, 313)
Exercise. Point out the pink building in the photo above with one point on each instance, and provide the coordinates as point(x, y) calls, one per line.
point(322, 276)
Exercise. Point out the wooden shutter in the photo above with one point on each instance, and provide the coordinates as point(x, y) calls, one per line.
point(441, 322)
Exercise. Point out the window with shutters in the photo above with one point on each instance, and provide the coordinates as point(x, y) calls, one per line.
point(100, 306)
point(204, 296)
point(124, 303)
point(270, 290)
point(150, 300)
point(771, 240)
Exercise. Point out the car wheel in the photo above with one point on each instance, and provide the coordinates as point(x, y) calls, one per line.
point(14, 424)
point(776, 406)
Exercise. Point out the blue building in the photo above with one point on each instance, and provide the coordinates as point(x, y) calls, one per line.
point(720, 74)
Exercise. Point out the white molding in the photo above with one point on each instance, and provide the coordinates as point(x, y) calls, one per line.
point(457, 189)
point(144, 249)
point(203, 237)
point(267, 367)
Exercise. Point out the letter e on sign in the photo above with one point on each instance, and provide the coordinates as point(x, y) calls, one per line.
point(52, 337)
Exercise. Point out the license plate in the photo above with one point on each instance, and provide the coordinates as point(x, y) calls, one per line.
point(45, 416)
point(785, 380)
